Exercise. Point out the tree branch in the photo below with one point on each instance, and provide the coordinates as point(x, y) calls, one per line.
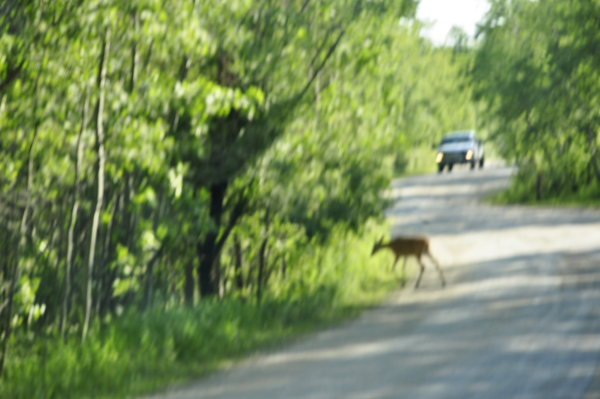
point(236, 214)
point(304, 6)
point(3, 305)
point(318, 70)
point(157, 254)
point(11, 75)
point(322, 46)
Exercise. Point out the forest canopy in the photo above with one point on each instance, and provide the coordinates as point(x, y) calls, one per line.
point(158, 156)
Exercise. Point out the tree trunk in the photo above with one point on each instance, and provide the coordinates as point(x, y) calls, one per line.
point(10, 266)
point(207, 250)
point(52, 313)
point(152, 263)
point(284, 267)
point(131, 215)
point(261, 269)
point(594, 162)
point(591, 136)
point(237, 254)
point(150, 278)
point(220, 282)
point(101, 271)
point(73, 221)
point(188, 285)
point(134, 53)
point(538, 189)
point(102, 70)
point(262, 256)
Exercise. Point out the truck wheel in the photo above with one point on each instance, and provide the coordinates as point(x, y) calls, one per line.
point(473, 165)
point(450, 165)
point(481, 162)
point(440, 168)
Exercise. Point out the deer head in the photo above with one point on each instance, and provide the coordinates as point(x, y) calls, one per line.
point(377, 246)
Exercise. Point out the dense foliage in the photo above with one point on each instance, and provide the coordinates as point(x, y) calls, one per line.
point(211, 164)
point(537, 67)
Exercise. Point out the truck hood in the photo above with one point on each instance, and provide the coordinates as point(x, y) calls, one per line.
point(455, 147)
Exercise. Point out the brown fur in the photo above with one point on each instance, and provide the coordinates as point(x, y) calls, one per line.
point(410, 246)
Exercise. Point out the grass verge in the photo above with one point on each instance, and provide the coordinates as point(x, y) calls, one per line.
point(524, 193)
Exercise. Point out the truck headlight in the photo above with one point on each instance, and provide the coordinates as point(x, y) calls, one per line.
point(439, 157)
point(469, 155)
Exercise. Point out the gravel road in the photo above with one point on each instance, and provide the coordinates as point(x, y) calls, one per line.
point(519, 318)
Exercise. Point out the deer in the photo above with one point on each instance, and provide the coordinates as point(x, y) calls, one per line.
point(407, 246)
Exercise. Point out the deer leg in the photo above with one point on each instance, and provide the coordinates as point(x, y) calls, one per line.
point(395, 262)
point(439, 269)
point(404, 271)
point(421, 272)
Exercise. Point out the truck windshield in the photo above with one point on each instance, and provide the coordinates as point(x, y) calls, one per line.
point(448, 140)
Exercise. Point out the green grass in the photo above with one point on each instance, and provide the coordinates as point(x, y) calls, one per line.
point(420, 161)
point(524, 193)
point(138, 352)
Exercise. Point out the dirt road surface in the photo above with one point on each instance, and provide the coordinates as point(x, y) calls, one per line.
point(519, 318)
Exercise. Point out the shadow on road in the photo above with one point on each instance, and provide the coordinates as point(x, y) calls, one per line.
point(510, 329)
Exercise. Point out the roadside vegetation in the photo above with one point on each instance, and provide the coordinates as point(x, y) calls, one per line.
point(136, 352)
point(183, 182)
point(523, 190)
point(536, 67)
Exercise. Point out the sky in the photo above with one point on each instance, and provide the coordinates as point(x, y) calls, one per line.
point(448, 13)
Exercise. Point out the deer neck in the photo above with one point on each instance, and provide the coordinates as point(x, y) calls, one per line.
point(381, 246)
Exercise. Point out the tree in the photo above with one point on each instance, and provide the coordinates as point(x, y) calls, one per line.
point(535, 68)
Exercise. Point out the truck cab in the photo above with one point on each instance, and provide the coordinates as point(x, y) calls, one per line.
point(460, 147)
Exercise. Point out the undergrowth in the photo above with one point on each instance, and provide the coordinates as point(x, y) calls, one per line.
point(141, 352)
point(523, 190)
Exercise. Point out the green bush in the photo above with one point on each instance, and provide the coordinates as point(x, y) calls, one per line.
point(556, 189)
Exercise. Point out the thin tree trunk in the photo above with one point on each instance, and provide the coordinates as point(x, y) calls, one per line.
point(24, 227)
point(6, 260)
point(219, 281)
point(109, 254)
point(284, 267)
point(102, 71)
point(261, 269)
point(73, 221)
point(106, 251)
point(134, 54)
point(132, 222)
point(269, 271)
point(11, 265)
point(188, 284)
point(538, 189)
point(237, 254)
point(150, 268)
point(52, 309)
point(591, 135)
point(594, 162)
point(262, 257)
point(150, 278)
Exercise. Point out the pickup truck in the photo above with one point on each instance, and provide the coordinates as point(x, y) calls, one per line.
point(460, 147)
